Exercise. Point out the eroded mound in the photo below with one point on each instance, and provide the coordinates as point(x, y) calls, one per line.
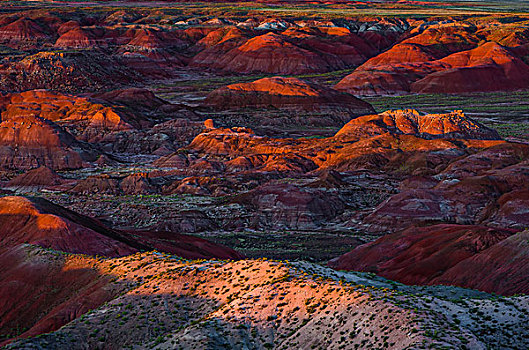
point(41, 290)
point(66, 71)
point(488, 187)
point(280, 206)
point(23, 29)
point(489, 67)
point(38, 221)
point(279, 92)
point(464, 255)
point(410, 122)
point(129, 120)
point(85, 119)
point(53, 289)
point(269, 53)
point(78, 38)
point(279, 304)
point(29, 142)
point(410, 67)
point(277, 106)
point(42, 176)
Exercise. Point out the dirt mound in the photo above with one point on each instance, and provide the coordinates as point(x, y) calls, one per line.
point(30, 142)
point(42, 176)
point(23, 29)
point(279, 92)
point(42, 290)
point(410, 122)
point(442, 254)
point(420, 69)
point(285, 206)
point(134, 98)
point(487, 188)
point(151, 40)
point(73, 71)
point(489, 67)
point(275, 106)
point(489, 269)
point(270, 53)
point(96, 119)
point(284, 305)
point(77, 38)
point(39, 222)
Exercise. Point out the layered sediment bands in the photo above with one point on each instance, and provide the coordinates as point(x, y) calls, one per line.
point(30, 142)
point(475, 257)
point(413, 68)
point(278, 105)
point(284, 93)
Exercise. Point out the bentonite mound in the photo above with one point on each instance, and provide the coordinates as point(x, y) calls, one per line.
point(42, 176)
point(279, 92)
point(453, 125)
point(40, 222)
point(37, 221)
point(29, 142)
point(279, 105)
point(464, 255)
point(411, 67)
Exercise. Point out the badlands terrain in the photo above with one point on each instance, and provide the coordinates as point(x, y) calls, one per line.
point(264, 175)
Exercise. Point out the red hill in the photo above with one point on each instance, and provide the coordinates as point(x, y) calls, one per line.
point(270, 53)
point(489, 67)
point(469, 256)
point(41, 291)
point(37, 221)
point(415, 68)
point(77, 38)
point(23, 29)
point(28, 142)
point(42, 176)
point(279, 92)
point(411, 122)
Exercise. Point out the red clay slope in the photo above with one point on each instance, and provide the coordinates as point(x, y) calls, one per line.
point(41, 291)
point(42, 176)
point(463, 255)
point(489, 67)
point(269, 53)
point(28, 142)
point(78, 38)
point(453, 125)
point(23, 29)
point(38, 221)
point(279, 92)
point(410, 67)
